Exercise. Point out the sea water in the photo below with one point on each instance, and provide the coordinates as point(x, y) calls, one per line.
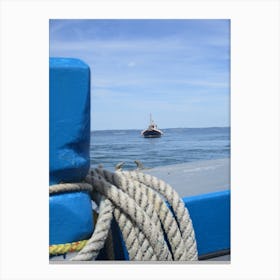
point(177, 145)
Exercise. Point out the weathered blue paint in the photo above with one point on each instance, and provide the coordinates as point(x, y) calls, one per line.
point(69, 114)
point(70, 214)
point(210, 214)
point(70, 217)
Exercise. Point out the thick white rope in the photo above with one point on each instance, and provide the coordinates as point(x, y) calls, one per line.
point(151, 231)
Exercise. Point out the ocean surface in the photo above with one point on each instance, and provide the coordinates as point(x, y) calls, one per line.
point(177, 145)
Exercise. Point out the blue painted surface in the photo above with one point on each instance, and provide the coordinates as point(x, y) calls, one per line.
point(69, 115)
point(70, 217)
point(120, 250)
point(210, 214)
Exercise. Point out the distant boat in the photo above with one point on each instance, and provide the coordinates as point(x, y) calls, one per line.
point(152, 131)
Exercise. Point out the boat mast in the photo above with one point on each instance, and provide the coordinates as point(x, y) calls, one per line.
point(151, 120)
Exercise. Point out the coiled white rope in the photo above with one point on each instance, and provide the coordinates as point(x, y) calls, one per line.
point(137, 201)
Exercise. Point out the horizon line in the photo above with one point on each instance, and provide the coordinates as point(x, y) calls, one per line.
point(201, 127)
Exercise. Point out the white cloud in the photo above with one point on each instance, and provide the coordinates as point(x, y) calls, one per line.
point(149, 45)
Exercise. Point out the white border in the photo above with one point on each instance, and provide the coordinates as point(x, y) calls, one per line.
point(255, 137)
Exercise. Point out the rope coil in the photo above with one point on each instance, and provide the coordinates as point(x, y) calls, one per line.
point(137, 201)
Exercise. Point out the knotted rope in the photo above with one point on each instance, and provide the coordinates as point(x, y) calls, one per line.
point(137, 201)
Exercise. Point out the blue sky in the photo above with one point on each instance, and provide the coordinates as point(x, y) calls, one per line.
point(178, 70)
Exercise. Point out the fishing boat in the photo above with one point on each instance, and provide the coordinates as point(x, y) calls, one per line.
point(152, 131)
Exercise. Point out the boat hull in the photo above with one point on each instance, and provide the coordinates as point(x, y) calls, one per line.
point(151, 134)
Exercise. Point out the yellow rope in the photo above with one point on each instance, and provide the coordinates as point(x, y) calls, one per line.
point(70, 247)
point(67, 247)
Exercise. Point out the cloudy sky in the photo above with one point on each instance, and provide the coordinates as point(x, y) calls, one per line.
point(178, 70)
